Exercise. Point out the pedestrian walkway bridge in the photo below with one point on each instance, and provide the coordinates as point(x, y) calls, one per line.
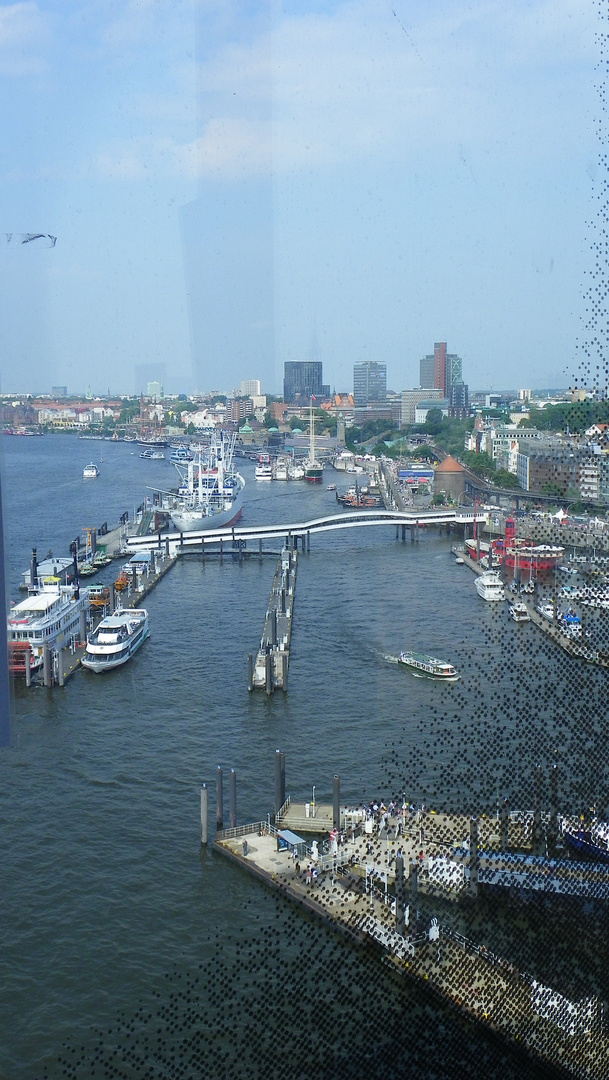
point(290, 533)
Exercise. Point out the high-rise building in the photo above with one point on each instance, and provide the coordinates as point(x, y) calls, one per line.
point(439, 365)
point(459, 398)
point(154, 390)
point(426, 377)
point(441, 369)
point(251, 388)
point(369, 382)
point(302, 380)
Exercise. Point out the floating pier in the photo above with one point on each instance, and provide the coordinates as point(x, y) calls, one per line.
point(364, 880)
point(269, 671)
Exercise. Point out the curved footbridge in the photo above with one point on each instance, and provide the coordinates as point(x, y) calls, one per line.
point(268, 670)
point(238, 536)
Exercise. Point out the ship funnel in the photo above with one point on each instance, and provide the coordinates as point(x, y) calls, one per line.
point(34, 570)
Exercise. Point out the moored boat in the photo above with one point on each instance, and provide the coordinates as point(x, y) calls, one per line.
point(52, 616)
point(428, 667)
point(180, 455)
point(313, 469)
point(116, 639)
point(591, 841)
point(519, 612)
point(281, 469)
point(211, 491)
point(99, 596)
point(264, 468)
point(490, 586)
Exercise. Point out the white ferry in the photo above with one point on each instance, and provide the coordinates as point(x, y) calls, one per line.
point(50, 616)
point(428, 667)
point(116, 639)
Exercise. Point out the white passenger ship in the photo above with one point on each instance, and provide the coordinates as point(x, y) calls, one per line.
point(53, 615)
point(116, 639)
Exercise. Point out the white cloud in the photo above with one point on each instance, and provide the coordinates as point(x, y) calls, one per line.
point(363, 82)
point(373, 80)
point(23, 30)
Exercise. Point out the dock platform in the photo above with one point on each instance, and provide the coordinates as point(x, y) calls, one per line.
point(352, 891)
point(269, 671)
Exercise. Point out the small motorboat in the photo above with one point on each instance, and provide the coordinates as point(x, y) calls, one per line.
point(90, 471)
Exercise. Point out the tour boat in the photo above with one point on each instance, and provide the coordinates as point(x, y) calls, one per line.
point(152, 455)
point(116, 639)
point(490, 586)
point(53, 615)
point(180, 455)
point(428, 667)
point(90, 471)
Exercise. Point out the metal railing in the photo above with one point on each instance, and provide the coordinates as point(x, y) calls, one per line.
point(283, 809)
point(259, 827)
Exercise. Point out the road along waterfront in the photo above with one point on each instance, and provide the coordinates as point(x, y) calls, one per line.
point(110, 912)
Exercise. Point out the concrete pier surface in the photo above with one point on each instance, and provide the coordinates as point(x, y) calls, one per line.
point(269, 669)
point(351, 890)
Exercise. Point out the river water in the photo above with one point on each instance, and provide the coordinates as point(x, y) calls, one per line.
point(128, 952)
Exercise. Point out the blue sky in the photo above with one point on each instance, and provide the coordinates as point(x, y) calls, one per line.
point(233, 185)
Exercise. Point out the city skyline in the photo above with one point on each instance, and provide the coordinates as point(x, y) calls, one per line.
point(226, 190)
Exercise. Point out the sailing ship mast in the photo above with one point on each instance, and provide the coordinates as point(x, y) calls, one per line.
point(313, 470)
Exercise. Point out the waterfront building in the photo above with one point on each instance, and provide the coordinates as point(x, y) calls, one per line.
point(303, 380)
point(369, 383)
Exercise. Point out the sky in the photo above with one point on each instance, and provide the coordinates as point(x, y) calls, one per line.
point(233, 185)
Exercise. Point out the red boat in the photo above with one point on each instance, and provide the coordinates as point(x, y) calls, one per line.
point(519, 555)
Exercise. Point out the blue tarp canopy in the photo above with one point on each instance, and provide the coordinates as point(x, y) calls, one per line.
point(287, 839)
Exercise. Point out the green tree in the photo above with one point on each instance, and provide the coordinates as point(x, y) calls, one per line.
point(552, 489)
point(505, 479)
point(433, 422)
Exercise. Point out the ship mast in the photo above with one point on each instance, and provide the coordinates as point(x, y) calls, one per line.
point(312, 437)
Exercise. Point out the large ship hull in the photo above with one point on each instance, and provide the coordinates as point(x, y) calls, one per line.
point(313, 474)
point(201, 520)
